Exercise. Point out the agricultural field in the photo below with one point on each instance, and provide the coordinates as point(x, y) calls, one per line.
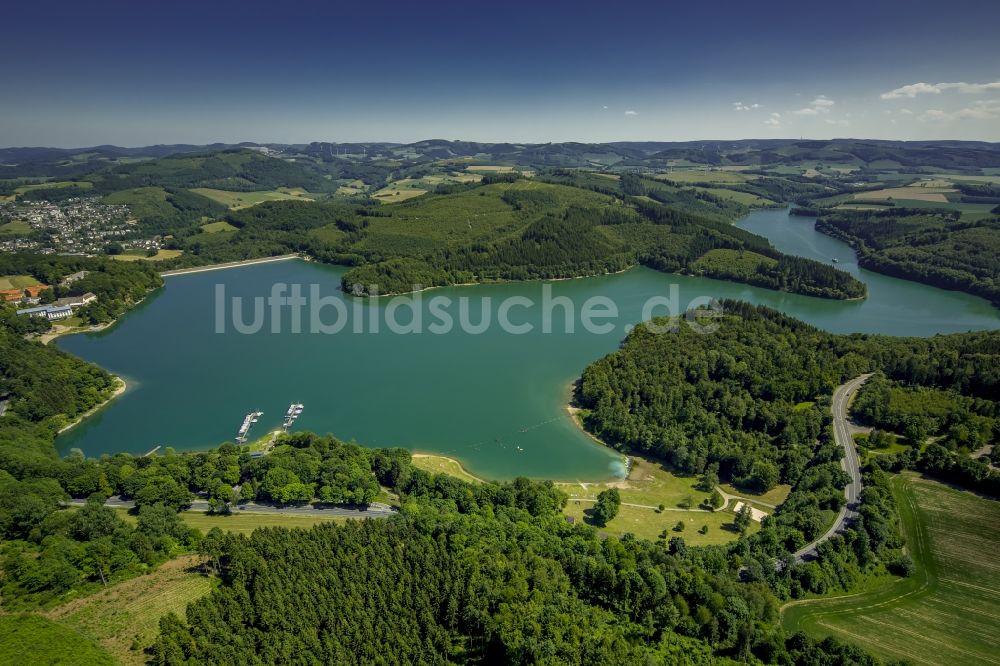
point(16, 282)
point(909, 193)
point(704, 176)
point(159, 256)
point(217, 227)
point(400, 190)
point(124, 619)
point(948, 611)
point(81, 185)
point(236, 200)
point(489, 168)
point(47, 642)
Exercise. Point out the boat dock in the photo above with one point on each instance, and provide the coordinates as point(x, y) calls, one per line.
point(248, 421)
point(294, 411)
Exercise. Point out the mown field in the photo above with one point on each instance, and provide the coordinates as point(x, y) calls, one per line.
point(948, 611)
point(16, 281)
point(443, 465)
point(236, 200)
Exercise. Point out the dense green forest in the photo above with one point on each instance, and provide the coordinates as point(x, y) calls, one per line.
point(756, 410)
point(936, 249)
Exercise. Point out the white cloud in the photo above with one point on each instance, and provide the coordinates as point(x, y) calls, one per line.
point(630, 112)
point(819, 105)
point(843, 122)
point(980, 110)
point(906, 112)
point(740, 106)
point(773, 121)
point(605, 107)
point(921, 88)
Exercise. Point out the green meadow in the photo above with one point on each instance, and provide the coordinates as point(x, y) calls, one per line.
point(948, 611)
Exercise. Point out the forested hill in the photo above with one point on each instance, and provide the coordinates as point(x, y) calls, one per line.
point(512, 229)
point(747, 399)
point(939, 249)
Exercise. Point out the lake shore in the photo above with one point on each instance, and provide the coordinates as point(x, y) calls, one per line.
point(120, 388)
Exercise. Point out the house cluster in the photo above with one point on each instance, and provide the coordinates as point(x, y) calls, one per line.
point(61, 308)
point(81, 225)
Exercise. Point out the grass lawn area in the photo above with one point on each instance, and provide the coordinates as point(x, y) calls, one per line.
point(649, 524)
point(128, 613)
point(15, 227)
point(648, 483)
point(494, 168)
point(948, 611)
point(443, 465)
point(33, 639)
point(159, 256)
point(775, 496)
point(217, 227)
point(17, 281)
point(245, 199)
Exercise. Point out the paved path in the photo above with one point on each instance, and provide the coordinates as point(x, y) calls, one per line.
point(371, 511)
point(850, 463)
point(229, 264)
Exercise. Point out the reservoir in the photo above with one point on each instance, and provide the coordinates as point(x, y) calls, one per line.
point(493, 399)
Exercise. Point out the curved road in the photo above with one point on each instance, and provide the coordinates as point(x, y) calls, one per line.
point(850, 463)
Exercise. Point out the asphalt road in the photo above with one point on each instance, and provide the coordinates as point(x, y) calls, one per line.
point(850, 463)
point(371, 511)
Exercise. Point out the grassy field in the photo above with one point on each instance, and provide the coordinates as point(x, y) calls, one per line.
point(244, 523)
point(217, 227)
point(15, 227)
point(143, 202)
point(246, 199)
point(124, 618)
point(443, 465)
point(82, 185)
point(948, 611)
point(649, 485)
point(159, 256)
point(17, 282)
point(745, 198)
point(32, 639)
point(704, 176)
point(648, 524)
point(910, 193)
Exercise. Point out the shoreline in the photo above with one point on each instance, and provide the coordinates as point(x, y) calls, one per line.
point(229, 264)
point(491, 282)
point(120, 388)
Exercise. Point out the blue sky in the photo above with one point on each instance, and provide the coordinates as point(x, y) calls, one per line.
point(127, 73)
